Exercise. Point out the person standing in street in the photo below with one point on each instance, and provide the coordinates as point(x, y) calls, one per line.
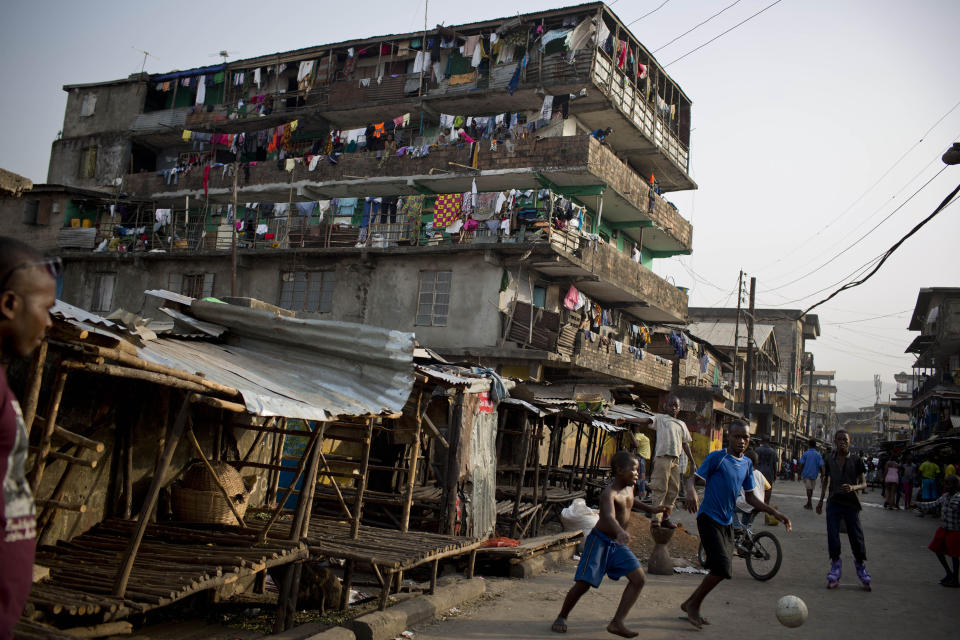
point(639, 444)
point(844, 475)
point(673, 438)
point(767, 465)
point(928, 472)
point(27, 292)
point(891, 480)
point(811, 465)
point(908, 472)
point(725, 473)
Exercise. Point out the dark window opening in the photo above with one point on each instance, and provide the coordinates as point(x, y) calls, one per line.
point(142, 159)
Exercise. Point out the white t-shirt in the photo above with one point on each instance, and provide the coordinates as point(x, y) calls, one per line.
point(671, 434)
point(760, 485)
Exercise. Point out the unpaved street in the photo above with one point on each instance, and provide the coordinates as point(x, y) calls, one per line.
point(906, 598)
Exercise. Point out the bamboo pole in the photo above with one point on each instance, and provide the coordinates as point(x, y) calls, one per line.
point(78, 440)
point(53, 407)
point(191, 436)
point(34, 381)
point(150, 503)
point(412, 470)
point(523, 472)
point(301, 522)
point(336, 487)
point(300, 468)
point(362, 481)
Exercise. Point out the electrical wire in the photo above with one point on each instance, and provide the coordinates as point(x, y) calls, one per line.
point(870, 188)
point(717, 37)
point(650, 13)
point(858, 240)
point(850, 285)
point(888, 315)
point(696, 27)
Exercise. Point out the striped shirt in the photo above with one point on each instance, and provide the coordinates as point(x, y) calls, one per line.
point(949, 506)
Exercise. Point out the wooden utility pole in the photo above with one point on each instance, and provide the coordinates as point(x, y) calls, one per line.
point(736, 333)
point(748, 375)
point(233, 234)
point(809, 394)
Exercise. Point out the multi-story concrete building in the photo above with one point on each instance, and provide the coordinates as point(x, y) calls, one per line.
point(777, 402)
point(935, 404)
point(822, 403)
point(496, 187)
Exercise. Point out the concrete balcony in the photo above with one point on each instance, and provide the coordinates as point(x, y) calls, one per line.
point(571, 165)
point(598, 357)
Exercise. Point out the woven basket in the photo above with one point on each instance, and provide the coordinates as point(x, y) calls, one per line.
point(196, 498)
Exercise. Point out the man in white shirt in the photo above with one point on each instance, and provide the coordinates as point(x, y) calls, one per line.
point(673, 439)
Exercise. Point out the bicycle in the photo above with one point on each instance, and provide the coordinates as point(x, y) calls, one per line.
point(762, 552)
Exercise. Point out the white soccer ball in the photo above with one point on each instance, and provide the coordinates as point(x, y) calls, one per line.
point(791, 611)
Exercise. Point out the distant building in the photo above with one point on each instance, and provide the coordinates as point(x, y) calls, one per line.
point(935, 408)
point(824, 403)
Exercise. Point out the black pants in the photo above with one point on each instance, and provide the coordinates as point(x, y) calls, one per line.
point(851, 517)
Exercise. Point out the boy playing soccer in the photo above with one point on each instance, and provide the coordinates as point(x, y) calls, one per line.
point(606, 550)
point(725, 472)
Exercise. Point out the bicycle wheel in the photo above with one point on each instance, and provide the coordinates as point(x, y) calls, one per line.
point(765, 556)
point(701, 557)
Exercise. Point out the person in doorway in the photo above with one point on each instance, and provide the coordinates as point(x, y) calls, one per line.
point(27, 292)
point(946, 540)
point(811, 465)
point(891, 481)
point(844, 475)
point(673, 438)
point(928, 472)
point(767, 465)
point(725, 473)
point(606, 552)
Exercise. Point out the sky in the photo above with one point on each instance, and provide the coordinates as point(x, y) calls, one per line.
point(812, 123)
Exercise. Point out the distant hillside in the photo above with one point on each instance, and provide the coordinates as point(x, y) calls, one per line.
point(853, 394)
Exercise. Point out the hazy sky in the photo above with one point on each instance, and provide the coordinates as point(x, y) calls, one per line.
point(797, 115)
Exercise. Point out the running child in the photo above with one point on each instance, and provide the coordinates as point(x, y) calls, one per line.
point(946, 541)
point(605, 550)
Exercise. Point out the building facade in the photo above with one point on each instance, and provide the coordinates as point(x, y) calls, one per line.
point(935, 406)
point(496, 187)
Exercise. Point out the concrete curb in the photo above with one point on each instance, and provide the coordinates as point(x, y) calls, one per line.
point(312, 631)
point(383, 625)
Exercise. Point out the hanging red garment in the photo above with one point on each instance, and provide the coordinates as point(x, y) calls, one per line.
point(274, 141)
point(206, 179)
point(378, 130)
point(622, 58)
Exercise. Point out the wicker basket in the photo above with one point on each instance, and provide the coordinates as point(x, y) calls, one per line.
point(196, 498)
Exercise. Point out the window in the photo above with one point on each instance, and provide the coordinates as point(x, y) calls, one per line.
point(88, 162)
point(195, 285)
point(103, 285)
point(539, 296)
point(89, 105)
point(433, 304)
point(307, 290)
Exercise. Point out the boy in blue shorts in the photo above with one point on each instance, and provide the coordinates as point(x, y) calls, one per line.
point(725, 472)
point(605, 550)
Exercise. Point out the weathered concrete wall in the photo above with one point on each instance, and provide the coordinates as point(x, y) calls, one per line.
point(41, 236)
point(113, 158)
point(116, 107)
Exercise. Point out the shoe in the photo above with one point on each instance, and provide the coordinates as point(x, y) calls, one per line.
point(666, 524)
point(833, 577)
point(865, 578)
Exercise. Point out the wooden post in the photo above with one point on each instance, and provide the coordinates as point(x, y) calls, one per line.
point(576, 456)
point(53, 408)
point(287, 599)
point(150, 503)
point(34, 381)
point(127, 457)
point(362, 481)
point(233, 233)
point(347, 583)
point(412, 469)
point(454, 427)
point(305, 504)
point(523, 472)
point(536, 461)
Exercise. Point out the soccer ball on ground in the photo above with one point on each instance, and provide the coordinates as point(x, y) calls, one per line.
point(791, 611)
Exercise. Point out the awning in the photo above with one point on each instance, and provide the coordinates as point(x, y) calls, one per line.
point(188, 73)
point(727, 412)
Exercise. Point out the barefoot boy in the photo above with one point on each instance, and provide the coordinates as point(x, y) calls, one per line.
point(606, 550)
point(725, 472)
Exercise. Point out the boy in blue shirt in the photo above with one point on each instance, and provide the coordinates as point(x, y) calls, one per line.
point(605, 550)
point(725, 472)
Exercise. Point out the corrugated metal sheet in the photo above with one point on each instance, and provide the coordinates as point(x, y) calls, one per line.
point(448, 375)
point(606, 426)
point(483, 459)
point(526, 405)
point(207, 328)
point(721, 334)
point(617, 411)
point(67, 311)
point(296, 367)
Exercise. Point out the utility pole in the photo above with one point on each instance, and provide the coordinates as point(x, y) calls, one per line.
point(233, 234)
point(748, 375)
point(736, 333)
point(809, 395)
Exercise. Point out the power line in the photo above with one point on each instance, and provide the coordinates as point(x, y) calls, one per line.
point(776, 2)
point(850, 285)
point(888, 315)
point(662, 5)
point(858, 240)
point(868, 189)
point(696, 27)
point(853, 274)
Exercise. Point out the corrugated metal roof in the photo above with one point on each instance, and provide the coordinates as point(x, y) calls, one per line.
point(526, 405)
point(721, 334)
point(625, 411)
point(451, 375)
point(67, 311)
point(606, 426)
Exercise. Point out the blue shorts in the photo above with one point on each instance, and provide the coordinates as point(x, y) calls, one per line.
point(601, 555)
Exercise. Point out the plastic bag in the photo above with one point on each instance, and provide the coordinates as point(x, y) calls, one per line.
point(500, 542)
point(579, 516)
